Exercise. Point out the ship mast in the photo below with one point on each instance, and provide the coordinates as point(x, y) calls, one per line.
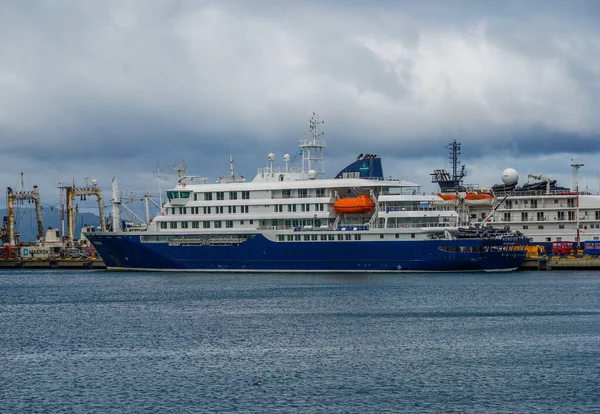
point(576, 167)
point(312, 149)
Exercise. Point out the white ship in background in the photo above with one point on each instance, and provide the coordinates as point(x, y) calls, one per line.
point(541, 210)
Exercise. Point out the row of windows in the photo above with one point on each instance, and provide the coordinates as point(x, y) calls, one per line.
point(220, 195)
point(209, 210)
point(217, 224)
point(534, 203)
point(178, 194)
point(242, 209)
point(278, 208)
point(302, 193)
point(316, 237)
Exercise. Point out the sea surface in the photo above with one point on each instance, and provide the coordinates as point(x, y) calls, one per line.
point(112, 342)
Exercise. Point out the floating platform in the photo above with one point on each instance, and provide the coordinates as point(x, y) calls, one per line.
point(44, 263)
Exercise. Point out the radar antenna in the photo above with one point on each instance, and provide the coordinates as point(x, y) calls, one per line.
point(312, 149)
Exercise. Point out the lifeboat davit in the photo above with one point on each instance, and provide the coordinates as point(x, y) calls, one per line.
point(478, 196)
point(354, 205)
point(445, 196)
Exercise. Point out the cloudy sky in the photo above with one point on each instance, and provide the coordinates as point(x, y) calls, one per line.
point(113, 88)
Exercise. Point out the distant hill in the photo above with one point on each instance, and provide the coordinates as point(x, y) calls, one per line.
point(26, 224)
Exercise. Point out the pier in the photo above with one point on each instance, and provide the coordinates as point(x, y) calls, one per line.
point(47, 263)
point(571, 262)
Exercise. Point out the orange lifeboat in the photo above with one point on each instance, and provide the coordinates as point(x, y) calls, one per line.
point(354, 205)
point(478, 196)
point(447, 196)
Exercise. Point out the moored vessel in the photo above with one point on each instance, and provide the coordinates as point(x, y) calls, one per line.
point(288, 220)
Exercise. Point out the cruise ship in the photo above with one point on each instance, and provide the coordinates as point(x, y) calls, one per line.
point(540, 209)
point(295, 220)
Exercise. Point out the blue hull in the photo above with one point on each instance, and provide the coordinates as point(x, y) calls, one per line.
point(128, 251)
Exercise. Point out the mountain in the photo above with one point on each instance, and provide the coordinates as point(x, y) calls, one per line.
point(26, 224)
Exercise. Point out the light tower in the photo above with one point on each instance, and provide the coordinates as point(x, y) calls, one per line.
point(576, 167)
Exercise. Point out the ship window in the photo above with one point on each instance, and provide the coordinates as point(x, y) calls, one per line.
point(348, 236)
point(206, 210)
point(245, 195)
point(340, 237)
point(290, 237)
point(229, 224)
point(233, 195)
point(320, 192)
point(313, 237)
point(172, 210)
point(195, 197)
point(302, 193)
point(525, 227)
point(540, 226)
point(207, 196)
point(163, 224)
point(251, 221)
point(195, 224)
point(185, 194)
point(357, 237)
point(561, 226)
point(241, 222)
point(173, 224)
point(412, 235)
point(184, 224)
point(217, 224)
point(323, 237)
point(175, 194)
point(306, 237)
point(297, 237)
point(220, 195)
point(280, 237)
point(397, 236)
point(206, 224)
point(548, 239)
point(331, 237)
point(381, 236)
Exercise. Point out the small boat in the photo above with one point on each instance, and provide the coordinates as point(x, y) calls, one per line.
point(478, 196)
point(446, 196)
point(354, 205)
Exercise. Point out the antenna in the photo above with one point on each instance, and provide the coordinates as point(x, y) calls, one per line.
point(312, 149)
point(159, 190)
point(180, 168)
point(576, 166)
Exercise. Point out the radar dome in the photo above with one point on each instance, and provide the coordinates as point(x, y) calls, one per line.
point(510, 176)
point(312, 174)
point(94, 182)
point(271, 156)
point(286, 157)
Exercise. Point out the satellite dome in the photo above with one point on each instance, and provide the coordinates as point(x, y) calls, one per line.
point(286, 157)
point(312, 174)
point(94, 183)
point(510, 176)
point(271, 156)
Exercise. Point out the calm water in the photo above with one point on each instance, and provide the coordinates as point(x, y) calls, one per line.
point(97, 341)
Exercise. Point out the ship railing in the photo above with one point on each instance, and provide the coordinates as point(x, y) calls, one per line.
point(400, 209)
point(360, 227)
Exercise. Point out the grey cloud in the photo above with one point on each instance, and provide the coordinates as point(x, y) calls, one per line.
point(113, 88)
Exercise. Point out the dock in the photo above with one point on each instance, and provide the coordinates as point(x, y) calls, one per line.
point(47, 263)
point(570, 262)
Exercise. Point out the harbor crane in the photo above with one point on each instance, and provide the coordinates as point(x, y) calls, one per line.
point(71, 192)
point(13, 196)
